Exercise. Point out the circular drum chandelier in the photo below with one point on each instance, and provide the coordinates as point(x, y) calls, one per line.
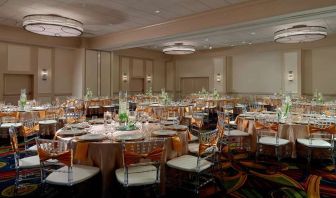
point(52, 25)
point(300, 33)
point(179, 49)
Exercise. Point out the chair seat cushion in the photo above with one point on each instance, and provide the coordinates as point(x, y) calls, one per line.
point(30, 162)
point(193, 147)
point(236, 133)
point(316, 143)
point(94, 107)
point(193, 138)
point(272, 141)
point(233, 123)
point(188, 163)
point(80, 174)
point(138, 175)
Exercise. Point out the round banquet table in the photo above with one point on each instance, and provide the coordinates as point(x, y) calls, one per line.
point(289, 131)
point(107, 155)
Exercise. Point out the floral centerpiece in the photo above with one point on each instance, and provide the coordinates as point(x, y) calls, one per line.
point(88, 94)
point(165, 97)
point(215, 94)
point(23, 99)
point(320, 98)
point(284, 111)
point(149, 92)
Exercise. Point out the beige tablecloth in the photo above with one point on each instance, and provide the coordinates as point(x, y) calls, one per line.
point(290, 132)
point(107, 156)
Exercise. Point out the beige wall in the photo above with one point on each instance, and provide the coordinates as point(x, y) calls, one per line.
point(256, 73)
point(29, 59)
point(64, 67)
point(324, 70)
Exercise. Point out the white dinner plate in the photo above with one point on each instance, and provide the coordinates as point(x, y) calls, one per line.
point(8, 125)
point(92, 137)
point(164, 132)
point(176, 127)
point(47, 122)
point(38, 108)
point(71, 132)
point(96, 121)
point(129, 137)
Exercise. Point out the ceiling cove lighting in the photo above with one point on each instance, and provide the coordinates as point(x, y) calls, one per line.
point(52, 25)
point(300, 33)
point(179, 49)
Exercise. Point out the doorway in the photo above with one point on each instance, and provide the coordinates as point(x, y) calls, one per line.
point(191, 85)
point(13, 83)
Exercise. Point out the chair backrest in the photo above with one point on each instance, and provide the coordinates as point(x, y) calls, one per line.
point(319, 128)
point(30, 127)
point(267, 126)
point(143, 153)
point(15, 145)
point(208, 142)
point(55, 152)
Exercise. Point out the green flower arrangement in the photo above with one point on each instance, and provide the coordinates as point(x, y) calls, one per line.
point(123, 117)
point(88, 94)
point(149, 91)
point(215, 94)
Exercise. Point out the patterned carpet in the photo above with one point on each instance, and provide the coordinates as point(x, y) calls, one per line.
point(242, 177)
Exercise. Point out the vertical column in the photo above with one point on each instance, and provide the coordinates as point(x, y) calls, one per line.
point(219, 78)
point(292, 72)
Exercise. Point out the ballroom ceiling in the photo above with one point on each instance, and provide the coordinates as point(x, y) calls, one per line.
point(101, 17)
point(106, 16)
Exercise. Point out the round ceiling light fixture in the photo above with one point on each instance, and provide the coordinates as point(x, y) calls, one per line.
point(300, 33)
point(52, 25)
point(179, 49)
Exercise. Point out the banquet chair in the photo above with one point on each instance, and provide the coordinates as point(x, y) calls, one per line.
point(198, 168)
point(56, 164)
point(196, 126)
point(229, 136)
point(142, 163)
point(21, 164)
point(268, 135)
point(321, 135)
point(30, 131)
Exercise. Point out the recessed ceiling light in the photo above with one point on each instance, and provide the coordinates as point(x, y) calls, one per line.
point(243, 42)
point(250, 43)
point(232, 45)
point(179, 49)
point(210, 47)
point(252, 33)
point(157, 11)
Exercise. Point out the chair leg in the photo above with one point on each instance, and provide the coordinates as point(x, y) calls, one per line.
point(309, 158)
point(257, 152)
point(16, 184)
point(277, 155)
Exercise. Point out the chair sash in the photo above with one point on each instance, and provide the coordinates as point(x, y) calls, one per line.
point(329, 129)
point(177, 144)
point(65, 157)
point(131, 157)
point(9, 114)
point(30, 130)
point(203, 147)
point(272, 126)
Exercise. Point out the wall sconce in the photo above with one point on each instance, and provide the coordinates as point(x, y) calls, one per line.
point(290, 76)
point(149, 78)
point(219, 77)
point(124, 77)
point(44, 74)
